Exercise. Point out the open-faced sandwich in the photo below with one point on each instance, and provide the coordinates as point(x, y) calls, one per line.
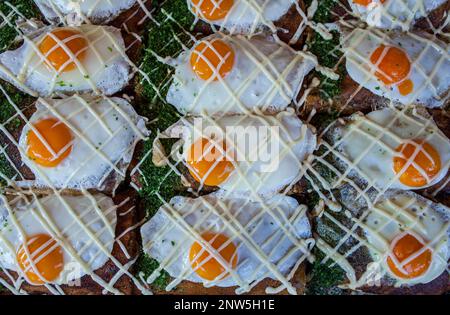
point(224, 147)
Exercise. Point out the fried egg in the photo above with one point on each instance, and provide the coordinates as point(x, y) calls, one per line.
point(98, 11)
point(403, 67)
point(55, 234)
point(86, 58)
point(390, 14)
point(241, 16)
point(78, 141)
point(223, 74)
point(409, 237)
point(390, 148)
point(228, 242)
point(258, 154)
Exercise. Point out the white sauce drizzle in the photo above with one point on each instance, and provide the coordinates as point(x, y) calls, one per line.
point(308, 165)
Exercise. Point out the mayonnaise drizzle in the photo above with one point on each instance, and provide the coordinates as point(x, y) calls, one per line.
point(308, 171)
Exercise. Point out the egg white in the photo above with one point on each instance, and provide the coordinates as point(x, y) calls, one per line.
point(257, 176)
point(28, 213)
point(436, 229)
point(84, 167)
point(252, 83)
point(377, 163)
point(429, 59)
point(99, 11)
point(106, 70)
point(395, 14)
point(169, 242)
point(247, 17)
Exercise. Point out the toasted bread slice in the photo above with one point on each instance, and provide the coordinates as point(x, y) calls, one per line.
point(105, 180)
point(330, 231)
point(125, 250)
point(191, 288)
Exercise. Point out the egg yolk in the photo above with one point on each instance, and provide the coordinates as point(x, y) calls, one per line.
point(393, 63)
point(404, 248)
point(211, 269)
point(47, 258)
point(365, 2)
point(208, 162)
point(427, 159)
point(406, 87)
point(56, 53)
point(212, 59)
point(212, 10)
point(56, 136)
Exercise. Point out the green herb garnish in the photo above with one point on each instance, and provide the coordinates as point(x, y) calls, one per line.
point(328, 54)
point(8, 33)
point(323, 278)
point(147, 265)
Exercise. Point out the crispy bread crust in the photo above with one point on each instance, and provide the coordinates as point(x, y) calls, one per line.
point(438, 286)
point(191, 288)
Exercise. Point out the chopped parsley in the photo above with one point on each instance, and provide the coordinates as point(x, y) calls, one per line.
point(327, 51)
point(328, 55)
point(323, 119)
point(323, 278)
point(164, 39)
point(312, 198)
point(10, 120)
point(6, 169)
point(147, 265)
point(324, 10)
point(7, 111)
point(161, 180)
point(8, 34)
point(157, 180)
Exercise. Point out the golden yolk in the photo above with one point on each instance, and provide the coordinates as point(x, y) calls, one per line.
point(365, 2)
point(211, 269)
point(393, 63)
point(212, 10)
point(404, 248)
point(47, 258)
point(406, 87)
point(56, 135)
point(56, 55)
point(208, 163)
point(427, 159)
point(211, 59)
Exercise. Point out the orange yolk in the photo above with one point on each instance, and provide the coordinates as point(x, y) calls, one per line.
point(393, 63)
point(208, 162)
point(404, 248)
point(406, 87)
point(427, 159)
point(56, 135)
point(211, 268)
point(365, 2)
point(56, 55)
point(212, 10)
point(211, 59)
point(47, 258)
